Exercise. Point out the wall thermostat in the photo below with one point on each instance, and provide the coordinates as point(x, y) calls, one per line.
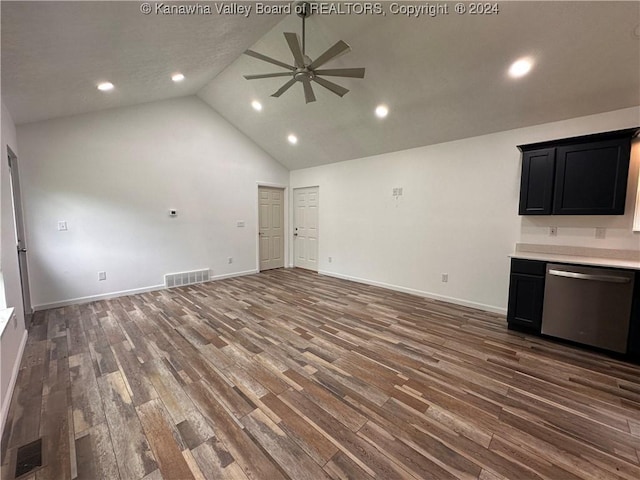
point(173, 212)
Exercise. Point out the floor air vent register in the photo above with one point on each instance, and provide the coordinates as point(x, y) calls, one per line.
point(186, 278)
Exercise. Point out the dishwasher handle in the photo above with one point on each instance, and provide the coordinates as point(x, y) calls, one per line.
point(585, 276)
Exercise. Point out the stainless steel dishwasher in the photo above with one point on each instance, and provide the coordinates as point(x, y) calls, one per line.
point(588, 305)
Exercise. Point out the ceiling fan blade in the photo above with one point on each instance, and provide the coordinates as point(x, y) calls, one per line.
point(338, 49)
point(342, 72)
point(268, 75)
point(334, 87)
point(296, 49)
point(284, 88)
point(309, 96)
point(264, 58)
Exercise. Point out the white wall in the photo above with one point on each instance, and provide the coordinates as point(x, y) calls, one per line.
point(14, 335)
point(458, 214)
point(113, 176)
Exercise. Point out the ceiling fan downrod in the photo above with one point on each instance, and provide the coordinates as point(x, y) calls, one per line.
point(304, 70)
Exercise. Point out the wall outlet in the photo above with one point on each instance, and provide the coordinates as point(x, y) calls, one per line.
point(330, 259)
point(230, 260)
point(445, 277)
point(601, 233)
point(102, 276)
point(62, 226)
point(173, 212)
point(553, 231)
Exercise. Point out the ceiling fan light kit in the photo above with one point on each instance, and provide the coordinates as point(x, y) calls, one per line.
point(305, 70)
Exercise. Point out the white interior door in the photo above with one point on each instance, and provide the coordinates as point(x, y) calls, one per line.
point(271, 227)
point(20, 235)
point(305, 228)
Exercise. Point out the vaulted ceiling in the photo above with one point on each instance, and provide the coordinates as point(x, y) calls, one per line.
point(443, 77)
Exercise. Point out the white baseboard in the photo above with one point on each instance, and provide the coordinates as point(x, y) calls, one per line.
point(93, 298)
point(6, 401)
point(420, 293)
point(123, 293)
point(235, 274)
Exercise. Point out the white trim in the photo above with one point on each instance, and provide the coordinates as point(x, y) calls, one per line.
point(285, 218)
point(272, 185)
point(92, 298)
point(293, 221)
point(420, 293)
point(123, 293)
point(235, 274)
point(6, 401)
point(636, 219)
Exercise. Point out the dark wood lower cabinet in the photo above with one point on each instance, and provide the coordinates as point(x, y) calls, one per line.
point(634, 327)
point(526, 295)
point(526, 300)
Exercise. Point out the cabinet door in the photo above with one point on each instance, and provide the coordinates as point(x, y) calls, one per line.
point(591, 178)
point(536, 184)
point(526, 294)
point(633, 348)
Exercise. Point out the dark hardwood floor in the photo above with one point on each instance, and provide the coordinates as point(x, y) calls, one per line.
point(288, 374)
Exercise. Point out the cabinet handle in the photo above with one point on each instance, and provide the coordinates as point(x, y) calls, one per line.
point(584, 276)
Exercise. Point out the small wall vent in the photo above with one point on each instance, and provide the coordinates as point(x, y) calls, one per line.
point(28, 458)
point(186, 278)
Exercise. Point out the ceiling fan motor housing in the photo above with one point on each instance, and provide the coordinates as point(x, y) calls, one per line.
point(303, 74)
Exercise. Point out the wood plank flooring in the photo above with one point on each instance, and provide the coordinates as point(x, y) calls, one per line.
point(291, 375)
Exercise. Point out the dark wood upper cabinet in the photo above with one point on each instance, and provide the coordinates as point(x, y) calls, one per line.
point(536, 185)
point(576, 176)
point(591, 178)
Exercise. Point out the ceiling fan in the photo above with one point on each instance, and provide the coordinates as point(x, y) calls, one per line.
point(304, 69)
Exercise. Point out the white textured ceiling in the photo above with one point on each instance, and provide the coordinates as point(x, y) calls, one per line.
point(443, 78)
point(54, 54)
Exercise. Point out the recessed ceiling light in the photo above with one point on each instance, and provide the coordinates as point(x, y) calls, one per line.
point(292, 139)
point(382, 111)
point(257, 106)
point(105, 86)
point(177, 77)
point(520, 67)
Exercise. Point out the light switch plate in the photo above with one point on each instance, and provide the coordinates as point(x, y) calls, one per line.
point(62, 226)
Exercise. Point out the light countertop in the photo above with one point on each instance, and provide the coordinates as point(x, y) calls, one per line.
point(579, 260)
point(5, 316)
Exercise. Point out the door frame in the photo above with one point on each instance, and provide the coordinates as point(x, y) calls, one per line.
point(285, 209)
point(292, 213)
point(19, 229)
